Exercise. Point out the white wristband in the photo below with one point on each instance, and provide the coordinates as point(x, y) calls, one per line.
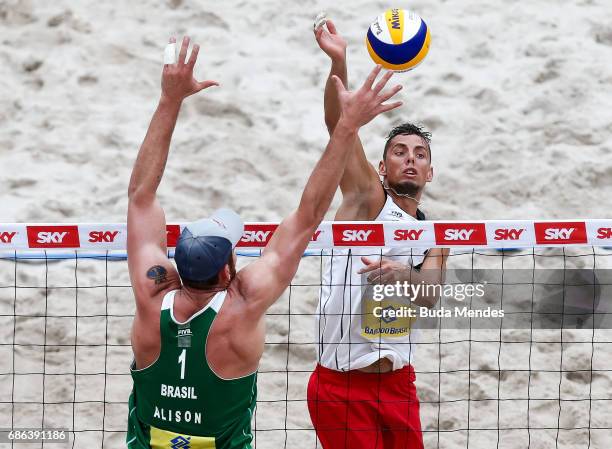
point(320, 20)
point(170, 53)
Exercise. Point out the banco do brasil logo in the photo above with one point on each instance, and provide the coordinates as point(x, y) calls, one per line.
point(180, 442)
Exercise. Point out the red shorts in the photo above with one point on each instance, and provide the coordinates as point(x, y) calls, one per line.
point(356, 410)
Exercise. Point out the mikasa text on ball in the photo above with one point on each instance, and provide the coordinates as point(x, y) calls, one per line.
point(398, 40)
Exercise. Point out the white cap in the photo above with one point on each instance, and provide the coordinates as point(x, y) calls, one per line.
point(222, 223)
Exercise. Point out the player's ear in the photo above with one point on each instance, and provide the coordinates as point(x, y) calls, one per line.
point(224, 275)
point(430, 174)
point(382, 170)
point(229, 270)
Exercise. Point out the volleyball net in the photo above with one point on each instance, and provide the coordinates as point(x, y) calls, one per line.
point(539, 376)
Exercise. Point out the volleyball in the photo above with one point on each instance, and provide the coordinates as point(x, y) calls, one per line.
point(398, 40)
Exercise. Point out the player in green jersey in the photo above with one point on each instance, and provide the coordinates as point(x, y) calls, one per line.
point(198, 331)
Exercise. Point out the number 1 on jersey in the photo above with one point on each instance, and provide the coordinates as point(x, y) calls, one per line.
point(181, 360)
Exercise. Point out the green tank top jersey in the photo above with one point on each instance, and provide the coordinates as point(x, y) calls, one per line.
point(178, 402)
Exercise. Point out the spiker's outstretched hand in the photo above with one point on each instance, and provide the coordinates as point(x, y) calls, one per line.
point(361, 106)
point(177, 79)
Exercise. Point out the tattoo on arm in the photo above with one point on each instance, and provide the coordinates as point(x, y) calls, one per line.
point(157, 273)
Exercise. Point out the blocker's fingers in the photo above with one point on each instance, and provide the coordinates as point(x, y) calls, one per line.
point(206, 84)
point(372, 77)
point(183, 53)
point(193, 57)
point(170, 52)
point(384, 96)
point(383, 81)
point(389, 107)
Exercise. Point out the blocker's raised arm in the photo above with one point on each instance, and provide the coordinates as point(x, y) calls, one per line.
point(150, 270)
point(262, 282)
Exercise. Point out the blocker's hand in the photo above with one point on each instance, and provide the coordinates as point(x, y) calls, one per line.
point(177, 79)
point(382, 271)
point(330, 41)
point(361, 106)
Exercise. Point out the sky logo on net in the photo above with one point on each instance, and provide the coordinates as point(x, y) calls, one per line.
point(508, 234)
point(7, 237)
point(407, 234)
point(560, 232)
point(257, 235)
point(53, 236)
point(460, 233)
point(604, 233)
point(102, 236)
point(358, 234)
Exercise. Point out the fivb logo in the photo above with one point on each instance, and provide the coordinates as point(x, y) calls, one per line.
point(257, 235)
point(559, 233)
point(460, 233)
point(358, 234)
point(53, 236)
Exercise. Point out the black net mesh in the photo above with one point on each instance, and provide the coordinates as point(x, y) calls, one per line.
point(65, 352)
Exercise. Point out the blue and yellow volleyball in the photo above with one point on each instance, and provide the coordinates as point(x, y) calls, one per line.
point(398, 40)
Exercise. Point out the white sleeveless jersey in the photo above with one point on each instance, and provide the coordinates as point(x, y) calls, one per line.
point(349, 337)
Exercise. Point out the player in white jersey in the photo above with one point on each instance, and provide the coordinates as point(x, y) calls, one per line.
point(362, 393)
